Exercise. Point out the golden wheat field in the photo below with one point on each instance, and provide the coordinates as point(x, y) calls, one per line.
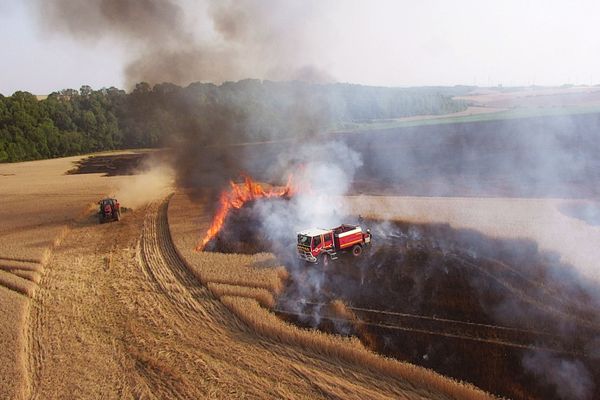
point(39, 203)
point(130, 310)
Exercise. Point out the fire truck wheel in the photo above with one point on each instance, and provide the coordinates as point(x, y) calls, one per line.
point(357, 250)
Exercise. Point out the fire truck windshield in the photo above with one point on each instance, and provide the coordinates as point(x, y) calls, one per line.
point(304, 240)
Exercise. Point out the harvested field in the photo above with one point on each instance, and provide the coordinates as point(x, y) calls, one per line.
point(117, 314)
point(39, 204)
point(14, 309)
point(150, 329)
point(537, 97)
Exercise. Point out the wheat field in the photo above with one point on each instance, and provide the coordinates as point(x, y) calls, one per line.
point(130, 310)
point(39, 203)
point(106, 311)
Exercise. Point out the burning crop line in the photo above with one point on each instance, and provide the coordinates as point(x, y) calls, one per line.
point(235, 198)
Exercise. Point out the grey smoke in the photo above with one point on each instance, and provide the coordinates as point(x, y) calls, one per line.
point(324, 173)
point(180, 42)
point(143, 21)
point(253, 38)
point(570, 378)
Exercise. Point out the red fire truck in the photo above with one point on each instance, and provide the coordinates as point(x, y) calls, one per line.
point(320, 245)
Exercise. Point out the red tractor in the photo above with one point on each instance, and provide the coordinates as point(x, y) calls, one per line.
point(318, 246)
point(110, 210)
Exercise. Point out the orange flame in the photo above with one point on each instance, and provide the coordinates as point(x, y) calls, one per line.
point(235, 198)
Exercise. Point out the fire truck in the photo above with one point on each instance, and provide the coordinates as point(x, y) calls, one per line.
point(321, 245)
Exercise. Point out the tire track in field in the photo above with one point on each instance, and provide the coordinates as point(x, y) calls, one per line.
point(435, 326)
point(174, 300)
point(547, 294)
point(153, 313)
point(163, 267)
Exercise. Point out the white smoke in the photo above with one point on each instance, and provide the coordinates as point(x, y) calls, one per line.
point(323, 175)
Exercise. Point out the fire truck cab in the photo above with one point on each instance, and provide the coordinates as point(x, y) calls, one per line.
point(320, 245)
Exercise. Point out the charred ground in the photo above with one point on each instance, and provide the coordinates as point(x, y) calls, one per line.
point(117, 164)
point(469, 306)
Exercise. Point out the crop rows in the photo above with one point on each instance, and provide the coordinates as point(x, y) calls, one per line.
point(20, 275)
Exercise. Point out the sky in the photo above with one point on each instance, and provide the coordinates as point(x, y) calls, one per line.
point(377, 42)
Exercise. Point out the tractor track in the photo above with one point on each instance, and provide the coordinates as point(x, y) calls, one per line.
point(540, 296)
point(157, 295)
point(166, 271)
point(549, 300)
point(173, 302)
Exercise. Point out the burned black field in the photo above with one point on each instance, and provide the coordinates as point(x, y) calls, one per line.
point(497, 313)
point(470, 307)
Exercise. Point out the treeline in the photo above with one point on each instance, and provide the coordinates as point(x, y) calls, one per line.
point(73, 122)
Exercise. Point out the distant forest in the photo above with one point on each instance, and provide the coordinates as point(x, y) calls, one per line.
point(72, 122)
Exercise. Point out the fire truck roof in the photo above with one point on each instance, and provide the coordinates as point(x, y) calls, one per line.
point(313, 232)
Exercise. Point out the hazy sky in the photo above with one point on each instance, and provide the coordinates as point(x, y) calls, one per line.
point(385, 42)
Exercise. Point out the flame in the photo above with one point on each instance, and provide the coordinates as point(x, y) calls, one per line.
point(235, 198)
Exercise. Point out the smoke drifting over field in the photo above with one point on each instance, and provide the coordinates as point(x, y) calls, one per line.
point(538, 157)
point(545, 157)
point(181, 42)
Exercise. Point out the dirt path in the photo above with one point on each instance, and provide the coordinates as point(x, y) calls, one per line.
point(118, 315)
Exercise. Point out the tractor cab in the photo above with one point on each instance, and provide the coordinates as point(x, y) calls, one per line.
point(110, 210)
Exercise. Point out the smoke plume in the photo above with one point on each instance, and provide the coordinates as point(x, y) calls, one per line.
point(180, 42)
point(216, 41)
